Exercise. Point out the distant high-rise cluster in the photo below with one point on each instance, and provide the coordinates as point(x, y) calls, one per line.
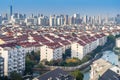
point(56, 20)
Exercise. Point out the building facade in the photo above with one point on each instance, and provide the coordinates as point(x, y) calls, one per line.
point(1, 66)
point(14, 59)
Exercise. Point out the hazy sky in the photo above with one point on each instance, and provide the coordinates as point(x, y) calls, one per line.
point(90, 7)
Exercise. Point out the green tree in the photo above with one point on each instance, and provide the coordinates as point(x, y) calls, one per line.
point(40, 65)
point(117, 36)
point(5, 78)
point(67, 54)
point(78, 75)
point(111, 39)
point(29, 65)
point(15, 76)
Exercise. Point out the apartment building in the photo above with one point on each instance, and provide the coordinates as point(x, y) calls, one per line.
point(1, 66)
point(118, 42)
point(14, 58)
point(84, 46)
point(51, 51)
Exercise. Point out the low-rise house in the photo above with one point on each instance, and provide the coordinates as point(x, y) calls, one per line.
point(98, 68)
point(111, 74)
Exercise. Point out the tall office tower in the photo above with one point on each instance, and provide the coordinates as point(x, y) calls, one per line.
point(93, 20)
point(72, 20)
point(117, 19)
point(52, 21)
point(60, 20)
point(77, 19)
point(106, 20)
point(43, 20)
point(46, 20)
point(11, 10)
point(90, 20)
point(5, 16)
point(22, 16)
point(66, 19)
point(40, 20)
point(99, 20)
point(77, 16)
point(55, 20)
point(85, 19)
point(0, 19)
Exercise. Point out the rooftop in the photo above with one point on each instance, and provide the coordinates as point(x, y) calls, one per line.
point(110, 75)
point(57, 74)
point(98, 69)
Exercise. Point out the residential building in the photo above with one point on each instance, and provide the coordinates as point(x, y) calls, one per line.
point(51, 51)
point(118, 42)
point(79, 49)
point(84, 46)
point(111, 74)
point(117, 19)
point(57, 74)
point(1, 66)
point(0, 19)
point(14, 58)
point(98, 69)
point(52, 21)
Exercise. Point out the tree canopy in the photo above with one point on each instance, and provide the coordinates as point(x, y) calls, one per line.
point(78, 75)
point(15, 76)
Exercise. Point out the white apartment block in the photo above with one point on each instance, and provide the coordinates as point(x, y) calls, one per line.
point(14, 58)
point(79, 49)
point(118, 42)
point(84, 46)
point(101, 39)
point(30, 46)
point(48, 52)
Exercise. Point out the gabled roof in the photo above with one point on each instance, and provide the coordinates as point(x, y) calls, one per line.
point(57, 74)
point(53, 45)
point(110, 75)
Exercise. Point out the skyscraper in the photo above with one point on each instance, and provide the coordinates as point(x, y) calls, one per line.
point(52, 21)
point(11, 10)
point(0, 19)
point(66, 21)
point(117, 19)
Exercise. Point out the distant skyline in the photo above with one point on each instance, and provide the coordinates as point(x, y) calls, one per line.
point(47, 7)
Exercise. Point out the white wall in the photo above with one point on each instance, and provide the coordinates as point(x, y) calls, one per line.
point(5, 56)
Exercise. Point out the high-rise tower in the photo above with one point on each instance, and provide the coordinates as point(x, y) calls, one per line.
point(11, 10)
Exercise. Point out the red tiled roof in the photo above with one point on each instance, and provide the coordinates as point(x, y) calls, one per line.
point(81, 43)
point(29, 44)
point(65, 42)
point(53, 45)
